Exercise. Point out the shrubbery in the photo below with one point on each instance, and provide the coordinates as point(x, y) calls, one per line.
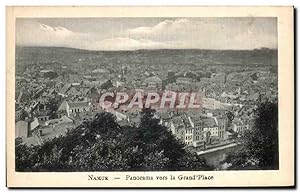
point(103, 145)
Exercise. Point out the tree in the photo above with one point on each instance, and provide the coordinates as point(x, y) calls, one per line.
point(230, 117)
point(103, 145)
point(26, 157)
point(52, 105)
point(259, 146)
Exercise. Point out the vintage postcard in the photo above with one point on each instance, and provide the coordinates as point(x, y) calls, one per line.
point(150, 97)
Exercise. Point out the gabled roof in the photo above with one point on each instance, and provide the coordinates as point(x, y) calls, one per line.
point(65, 88)
point(73, 90)
point(99, 70)
point(34, 124)
point(66, 119)
point(185, 120)
point(177, 121)
point(78, 104)
point(153, 79)
point(197, 119)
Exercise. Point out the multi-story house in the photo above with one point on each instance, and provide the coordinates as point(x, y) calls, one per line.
point(75, 107)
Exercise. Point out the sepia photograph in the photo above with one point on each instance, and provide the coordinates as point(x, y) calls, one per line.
point(120, 94)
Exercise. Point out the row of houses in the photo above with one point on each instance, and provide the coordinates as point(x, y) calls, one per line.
point(200, 131)
point(196, 131)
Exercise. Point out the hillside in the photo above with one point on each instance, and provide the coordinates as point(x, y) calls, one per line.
point(71, 57)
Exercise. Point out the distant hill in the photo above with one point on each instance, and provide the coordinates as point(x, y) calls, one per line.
point(70, 56)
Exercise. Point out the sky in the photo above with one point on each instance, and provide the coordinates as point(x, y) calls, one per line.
point(148, 33)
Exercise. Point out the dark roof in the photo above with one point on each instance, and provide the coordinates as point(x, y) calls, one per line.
point(197, 119)
point(209, 122)
point(164, 115)
point(177, 120)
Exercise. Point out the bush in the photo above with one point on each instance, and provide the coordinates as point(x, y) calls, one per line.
point(103, 145)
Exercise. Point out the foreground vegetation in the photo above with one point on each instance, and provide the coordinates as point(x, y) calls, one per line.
point(259, 146)
point(103, 145)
